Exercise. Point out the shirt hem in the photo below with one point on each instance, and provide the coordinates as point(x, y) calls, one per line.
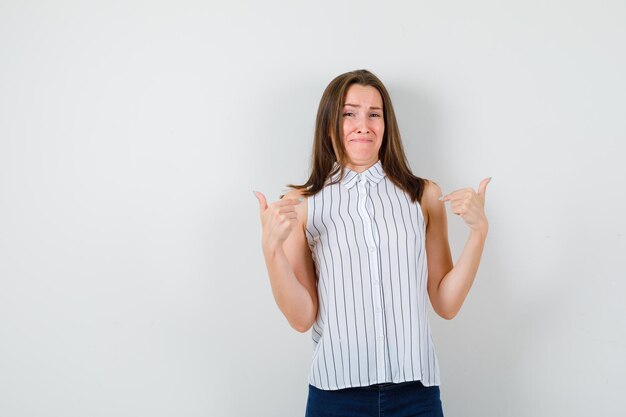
point(335, 388)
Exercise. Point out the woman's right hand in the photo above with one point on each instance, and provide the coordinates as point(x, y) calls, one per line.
point(277, 220)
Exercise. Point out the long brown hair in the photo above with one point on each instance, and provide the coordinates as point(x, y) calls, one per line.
point(328, 145)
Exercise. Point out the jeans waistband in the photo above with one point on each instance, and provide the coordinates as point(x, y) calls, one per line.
point(385, 384)
point(389, 385)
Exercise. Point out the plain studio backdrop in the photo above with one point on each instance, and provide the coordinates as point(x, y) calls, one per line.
point(132, 134)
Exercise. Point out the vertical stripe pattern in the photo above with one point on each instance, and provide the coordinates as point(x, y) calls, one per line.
point(367, 240)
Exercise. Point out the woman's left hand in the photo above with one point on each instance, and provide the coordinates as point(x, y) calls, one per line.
point(470, 205)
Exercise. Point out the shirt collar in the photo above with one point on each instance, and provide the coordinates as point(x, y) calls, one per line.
point(373, 174)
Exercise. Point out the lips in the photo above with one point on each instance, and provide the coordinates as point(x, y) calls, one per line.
point(361, 140)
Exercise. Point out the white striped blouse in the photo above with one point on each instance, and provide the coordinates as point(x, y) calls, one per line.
point(367, 240)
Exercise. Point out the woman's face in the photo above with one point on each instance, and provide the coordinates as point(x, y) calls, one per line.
point(363, 126)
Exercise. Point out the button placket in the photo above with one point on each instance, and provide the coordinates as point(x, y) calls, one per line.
point(373, 260)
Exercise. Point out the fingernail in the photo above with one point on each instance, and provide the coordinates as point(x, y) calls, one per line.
point(300, 199)
point(490, 179)
point(254, 192)
point(441, 198)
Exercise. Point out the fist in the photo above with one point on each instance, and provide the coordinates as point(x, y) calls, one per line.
point(470, 205)
point(277, 219)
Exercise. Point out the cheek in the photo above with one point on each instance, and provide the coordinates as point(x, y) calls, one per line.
point(380, 129)
point(347, 128)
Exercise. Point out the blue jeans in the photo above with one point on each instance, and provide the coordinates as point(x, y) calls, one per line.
point(406, 399)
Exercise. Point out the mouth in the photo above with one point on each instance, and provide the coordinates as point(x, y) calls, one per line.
point(361, 140)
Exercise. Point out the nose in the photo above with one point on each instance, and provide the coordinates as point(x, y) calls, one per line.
point(362, 126)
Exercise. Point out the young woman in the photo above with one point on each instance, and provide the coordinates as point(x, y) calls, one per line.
point(352, 253)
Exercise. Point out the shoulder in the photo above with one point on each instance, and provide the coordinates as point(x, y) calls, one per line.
point(430, 198)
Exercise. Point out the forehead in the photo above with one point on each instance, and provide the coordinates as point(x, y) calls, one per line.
point(364, 95)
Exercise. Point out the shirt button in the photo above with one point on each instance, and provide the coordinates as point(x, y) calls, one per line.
point(378, 309)
point(372, 249)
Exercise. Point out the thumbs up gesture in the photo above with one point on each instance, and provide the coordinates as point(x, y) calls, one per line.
point(277, 219)
point(470, 205)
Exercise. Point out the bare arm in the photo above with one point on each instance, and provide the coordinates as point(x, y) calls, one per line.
point(448, 284)
point(289, 262)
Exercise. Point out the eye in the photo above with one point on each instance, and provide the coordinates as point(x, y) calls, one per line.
point(375, 114)
point(348, 113)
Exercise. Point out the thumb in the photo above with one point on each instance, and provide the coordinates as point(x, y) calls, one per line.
point(262, 200)
point(483, 186)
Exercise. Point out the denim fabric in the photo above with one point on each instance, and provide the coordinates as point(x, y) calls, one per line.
point(406, 399)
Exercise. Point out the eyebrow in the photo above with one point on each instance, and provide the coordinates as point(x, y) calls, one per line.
point(356, 105)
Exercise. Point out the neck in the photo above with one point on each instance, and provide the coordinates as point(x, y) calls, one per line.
point(361, 166)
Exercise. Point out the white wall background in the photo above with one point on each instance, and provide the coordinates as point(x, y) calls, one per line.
point(132, 133)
